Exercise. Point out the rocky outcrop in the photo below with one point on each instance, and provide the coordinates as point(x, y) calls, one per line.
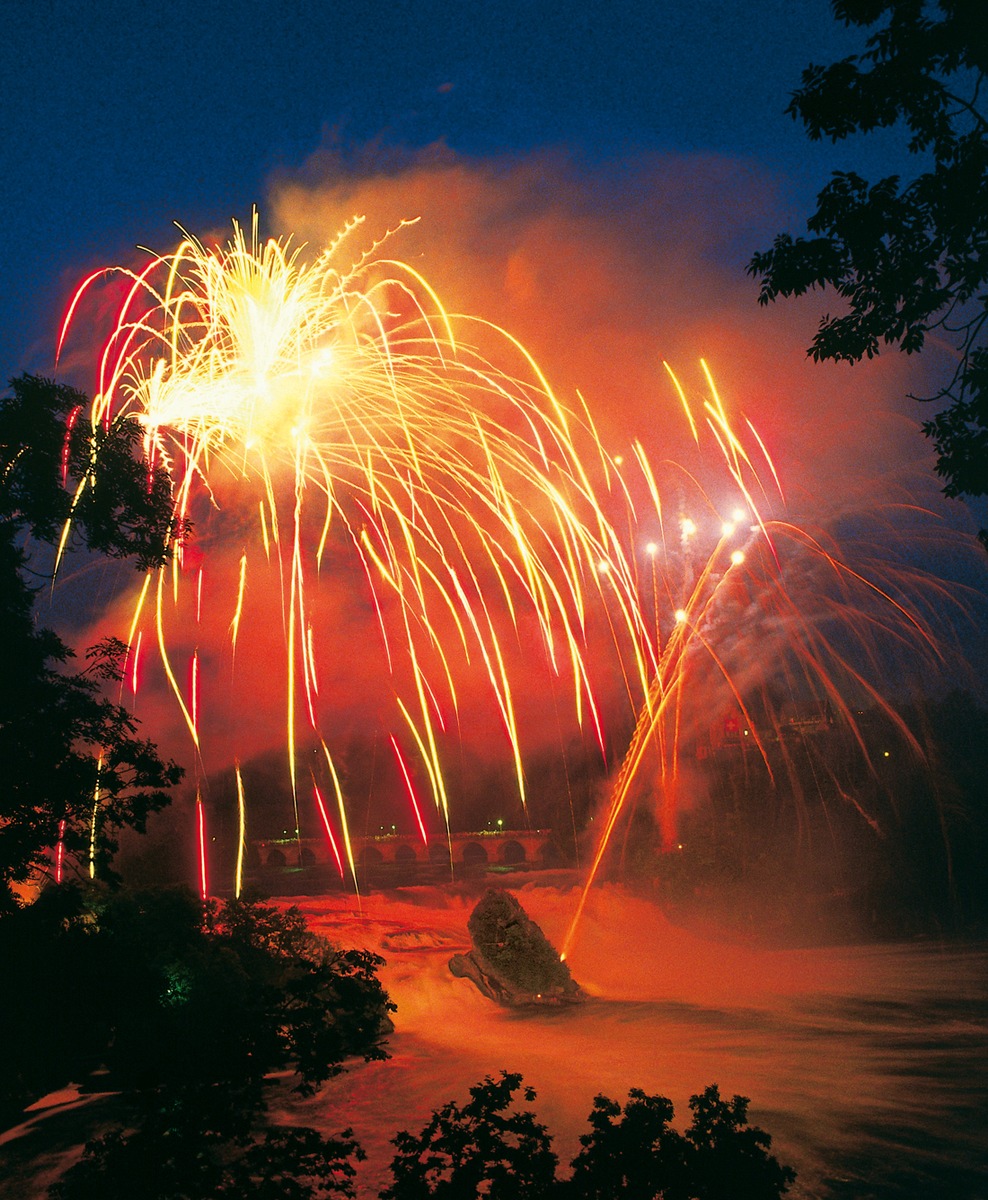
point(512, 961)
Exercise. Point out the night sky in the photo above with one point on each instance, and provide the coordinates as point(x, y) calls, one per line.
point(121, 118)
point(594, 178)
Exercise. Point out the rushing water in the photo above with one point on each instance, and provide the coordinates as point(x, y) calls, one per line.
point(868, 1065)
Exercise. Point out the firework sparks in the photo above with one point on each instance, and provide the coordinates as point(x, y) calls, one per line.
point(342, 404)
point(347, 400)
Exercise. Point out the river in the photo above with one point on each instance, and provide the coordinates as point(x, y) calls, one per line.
point(867, 1064)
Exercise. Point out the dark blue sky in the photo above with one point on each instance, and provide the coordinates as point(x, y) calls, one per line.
point(122, 117)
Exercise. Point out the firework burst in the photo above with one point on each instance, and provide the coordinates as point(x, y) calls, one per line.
point(350, 412)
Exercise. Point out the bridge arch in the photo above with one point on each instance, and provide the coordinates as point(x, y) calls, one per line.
point(474, 855)
point(517, 849)
point(370, 856)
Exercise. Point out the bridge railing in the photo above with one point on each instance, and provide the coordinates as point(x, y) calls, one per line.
point(504, 848)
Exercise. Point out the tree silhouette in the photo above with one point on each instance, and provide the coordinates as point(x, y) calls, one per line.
point(176, 1160)
point(479, 1148)
point(190, 1008)
point(909, 258)
point(632, 1152)
point(484, 1149)
point(74, 770)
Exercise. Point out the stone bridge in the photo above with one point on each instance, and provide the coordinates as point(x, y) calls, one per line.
point(504, 847)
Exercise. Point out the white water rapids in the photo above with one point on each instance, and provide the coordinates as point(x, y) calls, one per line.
point(867, 1064)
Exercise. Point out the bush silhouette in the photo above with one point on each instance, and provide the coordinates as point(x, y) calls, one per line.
point(728, 1158)
point(162, 1161)
point(479, 1145)
point(193, 1006)
point(482, 1149)
point(633, 1152)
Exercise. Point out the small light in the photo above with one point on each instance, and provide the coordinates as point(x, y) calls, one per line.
point(603, 568)
point(688, 526)
point(680, 615)
point(737, 557)
point(652, 549)
point(322, 361)
point(739, 514)
point(618, 459)
point(727, 528)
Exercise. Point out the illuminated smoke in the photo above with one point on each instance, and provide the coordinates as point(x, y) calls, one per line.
point(481, 541)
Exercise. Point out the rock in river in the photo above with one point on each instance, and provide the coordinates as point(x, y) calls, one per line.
point(512, 961)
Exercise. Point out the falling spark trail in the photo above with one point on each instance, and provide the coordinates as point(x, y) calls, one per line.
point(241, 830)
point(411, 789)
point(321, 805)
point(359, 419)
point(95, 817)
point(60, 852)
point(201, 827)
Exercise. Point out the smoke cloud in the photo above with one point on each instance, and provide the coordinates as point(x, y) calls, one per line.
point(602, 271)
point(605, 272)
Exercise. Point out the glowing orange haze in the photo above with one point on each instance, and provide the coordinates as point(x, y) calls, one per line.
point(604, 277)
point(601, 278)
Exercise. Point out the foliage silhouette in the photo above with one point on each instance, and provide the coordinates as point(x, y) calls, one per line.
point(481, 1148)
point(179, 1161)
point(54, 465)
point(61, 740)
point(728, 1159)
point(191, 1007)
point(169, 996)
point(631, 1152)
point(908, 258)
